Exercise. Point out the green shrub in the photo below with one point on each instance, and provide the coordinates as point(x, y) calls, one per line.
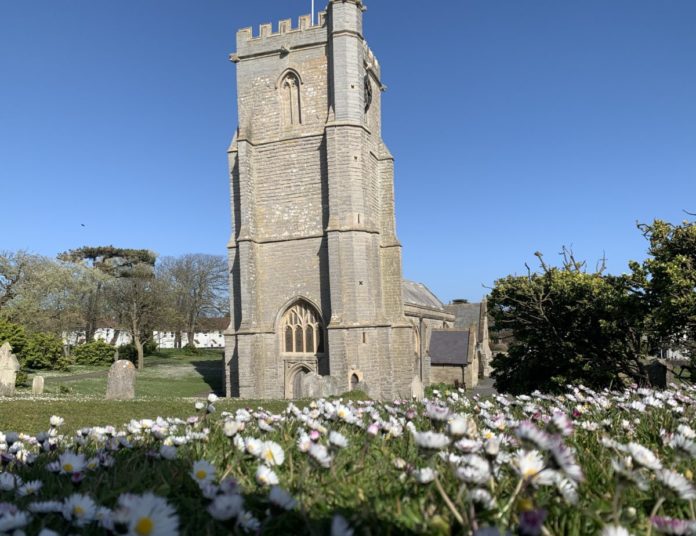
point(14, 334)
point(128, 352)
point(94, 353)
point(43, 351)
point(150, 347)
point(190, 349)
point(22, 379)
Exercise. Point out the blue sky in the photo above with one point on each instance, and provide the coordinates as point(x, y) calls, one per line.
point(517, 126)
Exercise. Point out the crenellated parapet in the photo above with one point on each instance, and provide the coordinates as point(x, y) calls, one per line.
point(281, 37)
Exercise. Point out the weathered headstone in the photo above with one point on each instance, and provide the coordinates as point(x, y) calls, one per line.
point(120, 383)
point(37, 385)
point(8, 370)
point(417, 388)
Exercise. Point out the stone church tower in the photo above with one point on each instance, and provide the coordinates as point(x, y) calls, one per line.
point(315, 264)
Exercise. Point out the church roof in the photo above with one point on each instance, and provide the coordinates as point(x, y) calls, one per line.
point(419, 295)
point(466, 314)
point(449, 347)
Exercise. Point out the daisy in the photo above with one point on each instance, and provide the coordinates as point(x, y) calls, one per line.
point(11, 521)
point(212, 398)
point(530, 465)
point(167, 452)
point(321, 454)
point(337, 439)
point(668, 525)
point(231, 427)
point(614, 530)
point(30, 488)
point(272, 453)
point(149, 515)
point(69, 462)
point(482, 497)
point(527, 431)
point(266, 476)
point(9, 481)
point(437, 413)
point(56, 421)
point(79, 509)
point(643, 456)
point(281, 498)
point(304, 442)
point(424, 476)
point(340, 527)
point(677, 483)
point(225, 507)
point(248, 522)
point(431, 440)
point(45, 507)
point(254, 446)
point(203, 472)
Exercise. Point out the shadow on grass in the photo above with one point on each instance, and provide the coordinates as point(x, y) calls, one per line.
point(212, 373)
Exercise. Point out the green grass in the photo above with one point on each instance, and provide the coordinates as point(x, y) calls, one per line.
point(32, 415)
point(167, 374)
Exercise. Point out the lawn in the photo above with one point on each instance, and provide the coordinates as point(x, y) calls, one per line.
point(582, 462)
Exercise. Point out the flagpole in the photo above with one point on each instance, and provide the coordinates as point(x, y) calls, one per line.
point(312, 13)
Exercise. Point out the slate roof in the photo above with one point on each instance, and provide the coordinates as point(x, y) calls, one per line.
point(419, 295)
point(466, 314)
point(449, 347)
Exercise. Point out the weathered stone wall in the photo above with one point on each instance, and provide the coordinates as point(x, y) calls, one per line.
point(313, 211)
point(446, 374)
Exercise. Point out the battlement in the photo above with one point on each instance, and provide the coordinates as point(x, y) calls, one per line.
point(284, 27)
point(370, 59)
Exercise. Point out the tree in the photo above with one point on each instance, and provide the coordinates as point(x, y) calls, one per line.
point(13, 268)
point(100, 265)
point(197, 287)
point(131, 287)
point(569, 326)
point(669, 279)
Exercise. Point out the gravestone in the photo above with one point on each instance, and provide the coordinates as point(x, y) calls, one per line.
point(8, 370)
point(37, 385)
point(120, 383)
point(417, 388)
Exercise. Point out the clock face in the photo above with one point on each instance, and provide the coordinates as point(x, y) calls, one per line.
point(368, 92)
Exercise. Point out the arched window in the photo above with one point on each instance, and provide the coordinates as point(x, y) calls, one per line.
point(302, 330)
point(289, 89)
point(354, 380)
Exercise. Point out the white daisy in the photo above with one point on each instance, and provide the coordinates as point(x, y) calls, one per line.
point(225, 507)
point(643, 456)
point(203, 472)
point(13, 521)
point(337, 439)
point(424, 476)
point(281, 498)
point(272, 453)
point(254, 446)
point(168, 452)
point(431, 440)
point(9, 481)
point(321, 454)
point(266, 476)
point(149, 515)
point(71, 463)
point(79, 509)
point(614, 530)
point(29, 488)
point(677, 483)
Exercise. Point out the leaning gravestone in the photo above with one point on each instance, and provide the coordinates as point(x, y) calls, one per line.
point(120, 384)
point(37, 385)
point(8, 370)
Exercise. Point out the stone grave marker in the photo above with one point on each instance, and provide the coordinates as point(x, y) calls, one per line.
point(120, 383)
point(8, 370)
point(37, 385)
point(417, 391)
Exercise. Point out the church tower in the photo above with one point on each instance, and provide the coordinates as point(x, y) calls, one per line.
point(315, 264)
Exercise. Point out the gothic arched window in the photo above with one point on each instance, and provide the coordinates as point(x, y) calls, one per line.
point(302, 330)
point(289, 89)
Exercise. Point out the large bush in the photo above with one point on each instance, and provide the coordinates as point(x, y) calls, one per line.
point(14, 334)
point(94, 353)
point(43, 351)
point(568, 327)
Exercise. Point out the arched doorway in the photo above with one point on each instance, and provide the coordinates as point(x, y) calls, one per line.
point(297, 379)
point(354, 381)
